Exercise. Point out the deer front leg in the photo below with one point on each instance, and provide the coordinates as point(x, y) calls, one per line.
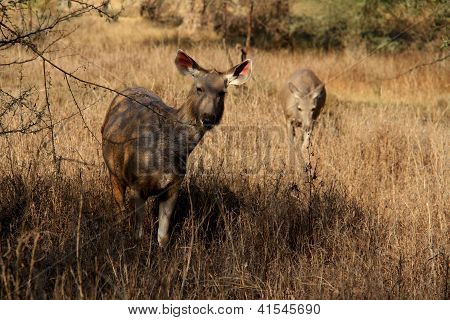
point(290, 130)
point(306, 144)
point(307, 154)
point(118, 189)
point(138, 212)
point(166, 207)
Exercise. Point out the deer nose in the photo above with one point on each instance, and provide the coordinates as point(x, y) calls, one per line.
point(307, 126)
point(208, 121)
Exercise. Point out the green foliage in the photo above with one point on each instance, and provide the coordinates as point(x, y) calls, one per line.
point(382, 25)
point(444, 43)
point(393, 26)
point(306, 32)
point(388, 26)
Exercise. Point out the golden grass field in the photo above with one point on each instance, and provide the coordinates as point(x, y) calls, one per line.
point(373, 225)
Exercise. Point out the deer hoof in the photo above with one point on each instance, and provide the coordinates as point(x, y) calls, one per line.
point(163, 240)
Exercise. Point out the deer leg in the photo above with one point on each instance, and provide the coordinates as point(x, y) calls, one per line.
point(307, 154)
point(138, 212)
point(290, 131)
point(166, 206)
point(118, 189)
point(306, 146)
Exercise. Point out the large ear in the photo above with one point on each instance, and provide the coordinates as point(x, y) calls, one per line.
point(318, 91)
point(239, 74)
point(294, 90)
point(187, 65)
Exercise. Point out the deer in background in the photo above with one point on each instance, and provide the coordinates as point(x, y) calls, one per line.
point(303, 97)
point(146, 143)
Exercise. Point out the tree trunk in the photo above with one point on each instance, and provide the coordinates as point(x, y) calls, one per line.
point(30, 13)
point(249, 29)
point(225, 20)
point(193, 19)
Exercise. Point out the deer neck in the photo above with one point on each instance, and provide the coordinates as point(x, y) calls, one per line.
point(187, 114)
point(187, 117)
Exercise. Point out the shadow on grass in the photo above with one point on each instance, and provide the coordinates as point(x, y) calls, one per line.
point(45, 237)
point(13, 201)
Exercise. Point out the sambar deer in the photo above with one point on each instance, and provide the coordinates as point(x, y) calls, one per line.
point(303, 97)
point(146, 143)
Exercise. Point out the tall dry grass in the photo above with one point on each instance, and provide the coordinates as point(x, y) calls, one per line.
point(373, 225)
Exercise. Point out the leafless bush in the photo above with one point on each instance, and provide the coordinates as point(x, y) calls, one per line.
point(36, 32)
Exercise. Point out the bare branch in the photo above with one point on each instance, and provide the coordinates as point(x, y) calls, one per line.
point(79, 109)
point(418, 66)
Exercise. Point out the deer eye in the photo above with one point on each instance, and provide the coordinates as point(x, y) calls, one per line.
point(199, 90)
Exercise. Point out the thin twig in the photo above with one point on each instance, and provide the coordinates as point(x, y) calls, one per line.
point(418, 66)
point(79, 110)
point(52, 132)
point(225, 47)
point(79, 270)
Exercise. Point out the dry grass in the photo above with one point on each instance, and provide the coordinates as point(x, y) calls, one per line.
point(373, 225)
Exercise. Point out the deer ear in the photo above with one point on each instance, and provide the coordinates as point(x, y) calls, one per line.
point(298, 93)
point(239, 74)
point(186, 65)
point(293, 89)
point(318, 91)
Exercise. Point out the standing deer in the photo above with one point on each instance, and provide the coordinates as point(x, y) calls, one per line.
point(146, 143)
point(303, 98)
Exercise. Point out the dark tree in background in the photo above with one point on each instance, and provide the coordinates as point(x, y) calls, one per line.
point(194, 19)
point(249, 28)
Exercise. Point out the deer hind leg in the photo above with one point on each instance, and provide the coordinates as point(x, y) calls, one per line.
point(138, 211)
point(118, 189)
point(166, 207)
